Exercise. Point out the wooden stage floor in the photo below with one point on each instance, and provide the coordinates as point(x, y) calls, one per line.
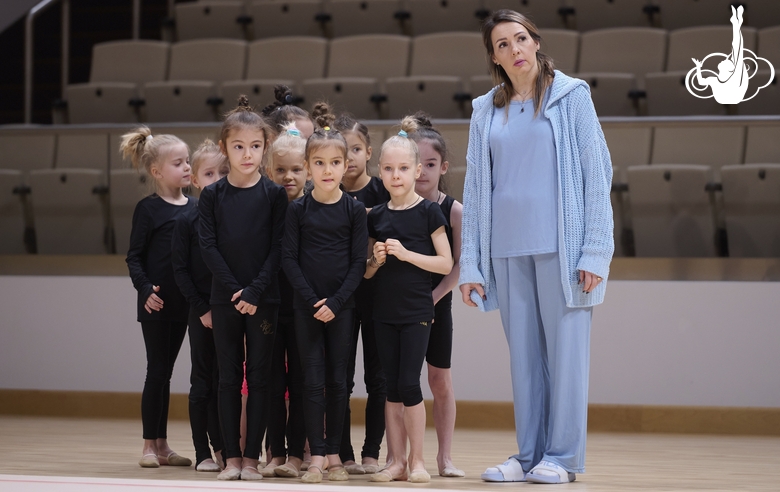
point(58, 455)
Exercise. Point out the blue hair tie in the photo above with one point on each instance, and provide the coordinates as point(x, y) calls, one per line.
point(294, 132)
point(403, 134)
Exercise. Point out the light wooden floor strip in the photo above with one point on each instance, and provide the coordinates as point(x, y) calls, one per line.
point(90, 455)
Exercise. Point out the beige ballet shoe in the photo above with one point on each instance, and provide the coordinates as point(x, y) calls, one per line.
point(338, 474)
point(230, 473)
point(312, 476)
point(286, 470)
point(450, 471)
point(250, 473)
point(385, 475)
point(208, 465)
point(174, 459)
point(269, 470)
point(370, 469)
point(419, 476)
point(355, 469)
point(149, 461)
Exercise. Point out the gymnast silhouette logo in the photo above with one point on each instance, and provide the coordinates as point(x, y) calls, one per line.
point(730, 84)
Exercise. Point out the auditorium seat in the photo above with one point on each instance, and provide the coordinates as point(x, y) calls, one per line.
point(436, 95)
point(563, 46)
point(635, 50)
point(762, 13)
point(751, 199)
point(372, 55)
point(478, 85)
point(27, 152)
point(190, 92)
point(671, 211)
point(457, 138)
point(767, 101)
point(611, 93)
point(127, 189)
point(434, 16)
point(677, 14)
point(698, 42)
point(294, 58)
point(259, 92)
point(714, 146)
point(210, 19)
point(352, 94)
point(82, 151)
point(353, 17)
point(628, 146)
point(357, 69)
point(112, 94)
point(668, 96)
point(600, 14)
point(543, 13)
point(69, 210)
point(102, 102)
point(286, 18)
point(763, 144)
point(11, 213)
point(430, 71)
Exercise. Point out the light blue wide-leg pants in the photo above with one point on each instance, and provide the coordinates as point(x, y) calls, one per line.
point(549, 351)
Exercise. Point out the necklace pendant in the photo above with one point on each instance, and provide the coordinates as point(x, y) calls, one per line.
point(522, 110)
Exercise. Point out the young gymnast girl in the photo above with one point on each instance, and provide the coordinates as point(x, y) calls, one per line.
point(241, 228)
point(285, 167)
point(162, 309)
point(325, 244)
point(370, 191)
point(409, 243)
point(194, 280)
point(283, 111)
point(433, 154)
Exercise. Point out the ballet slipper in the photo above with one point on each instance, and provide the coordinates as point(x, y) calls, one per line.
point(269, 470)
point(370, 469)
point(419, 476)
point(312, 476)
point(385, 475)
point(149, 461)
point(450, 471)
point(355, 469)
point(286, 470)
point(174, 459)
point(250, 473)
point(338, 474)
point(208, 465)
point(230, 473)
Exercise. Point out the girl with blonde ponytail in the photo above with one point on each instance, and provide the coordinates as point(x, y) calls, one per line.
point(409, 243)
point(162, 309)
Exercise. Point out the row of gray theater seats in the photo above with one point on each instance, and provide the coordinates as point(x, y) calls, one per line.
point(667, 210)
point(257, 19)
point(632, 71)
point(70, 207)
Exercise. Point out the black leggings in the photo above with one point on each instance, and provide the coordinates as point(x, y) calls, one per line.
point(324, 350)
point(402, 349)
point(204, 382)
point(163, 340)
point(286, 379)
point(374, 378)
point(440, 343)
point(231, 331)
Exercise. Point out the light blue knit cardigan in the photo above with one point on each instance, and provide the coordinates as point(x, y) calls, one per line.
point(584, 183)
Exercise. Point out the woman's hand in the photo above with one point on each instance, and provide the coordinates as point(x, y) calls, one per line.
point(206, 320)
point(324, 314)
point(395, 248)
point(243, 307)
point(589, 281)
point(466, 289)
point(154, 303)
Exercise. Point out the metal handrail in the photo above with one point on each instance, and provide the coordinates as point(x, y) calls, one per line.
point(28, 47)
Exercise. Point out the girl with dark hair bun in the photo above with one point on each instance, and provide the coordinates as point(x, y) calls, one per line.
point(284, 111)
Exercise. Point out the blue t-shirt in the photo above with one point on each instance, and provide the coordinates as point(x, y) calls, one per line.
point(525, 182)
